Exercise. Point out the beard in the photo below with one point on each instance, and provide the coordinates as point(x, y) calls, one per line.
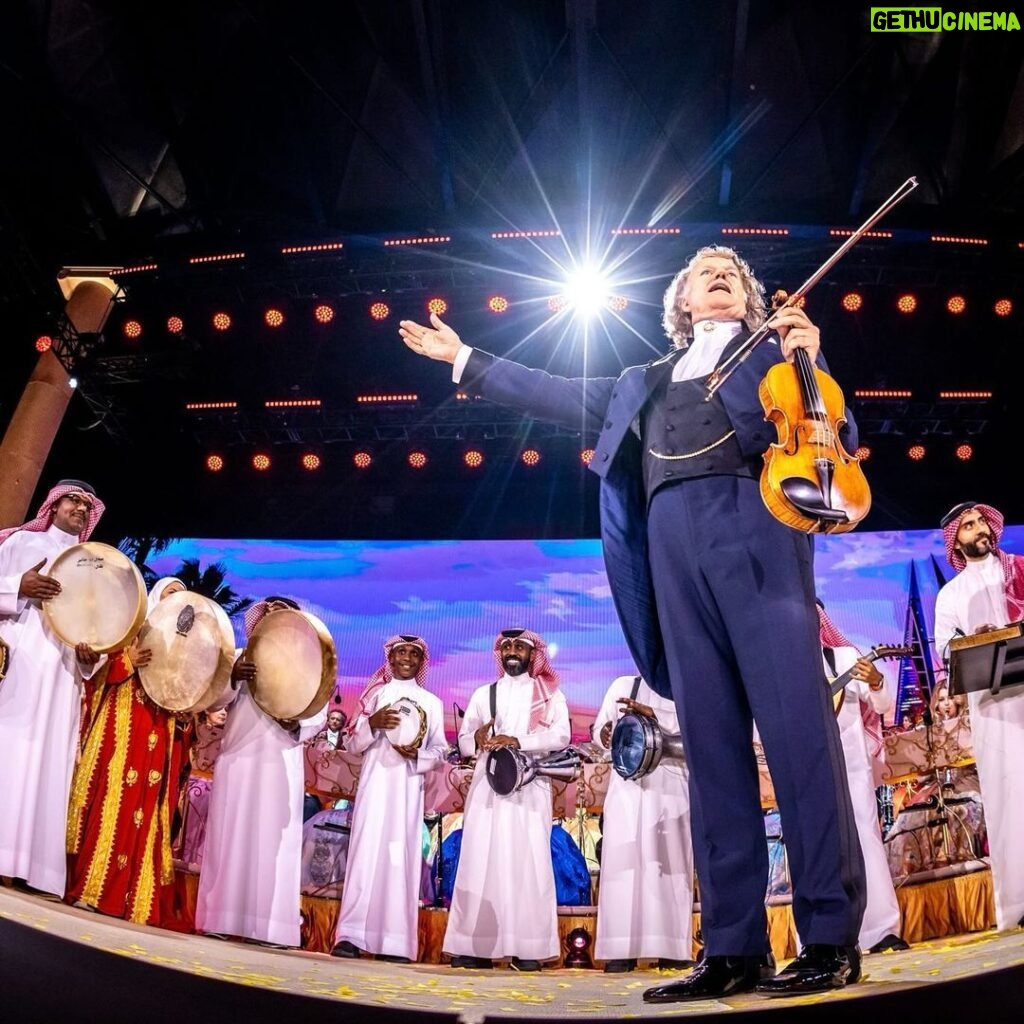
point(978, 548)
point(514, 665)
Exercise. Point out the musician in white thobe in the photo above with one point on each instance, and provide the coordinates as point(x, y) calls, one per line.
point(503, 899)
point(41, 696)
point(987, 593)
point(252, 861)
point(645, 897)
point(380, 900)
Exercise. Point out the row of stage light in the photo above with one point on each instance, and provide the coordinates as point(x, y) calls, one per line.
point(324, 313)
point(418, 458)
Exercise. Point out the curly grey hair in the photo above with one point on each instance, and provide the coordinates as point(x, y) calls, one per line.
point(677, 323)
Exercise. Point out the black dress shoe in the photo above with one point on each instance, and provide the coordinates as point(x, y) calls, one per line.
point(818, 968)
point(620, 966)
point(888, 942)
point(479, 963)
point(527, 966)
point(388, 958)
point(713, 978)
point(347, 950)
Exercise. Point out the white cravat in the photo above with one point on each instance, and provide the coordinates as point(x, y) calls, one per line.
point(710, 338)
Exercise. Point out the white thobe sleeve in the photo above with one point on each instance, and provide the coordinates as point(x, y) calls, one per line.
point(432, 752)
point(947, 621)
point(609, 711)
point(554, 736)
point(362, 736)
point(309, 727)
point(10, 579)
point(477, 713)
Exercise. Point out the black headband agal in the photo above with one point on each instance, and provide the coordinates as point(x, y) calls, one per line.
point(79, 485)
point(955, 513)
point(283, 600)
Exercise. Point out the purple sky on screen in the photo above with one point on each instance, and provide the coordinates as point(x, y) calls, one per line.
point(459, 594)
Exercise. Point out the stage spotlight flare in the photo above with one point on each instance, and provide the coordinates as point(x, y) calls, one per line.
point(473, 458)
point(965, 451)
point(587, 291)
point(863, 453)
point(530, 457)
point(221, 321)
point(1003, 307)
point(578, 943)
point(417, 459)
point(323, 314)
point(916, 452)
point(906, 303)
point(310, 461)
point(956, 304)
point(362, 460)
point(587, 456)
point(437, 306)
point(132, 329)
point(497, 304)
point(852, 301)
point(273, 317)
point(261, 462)
point(214, 463)
point(44, 343)
point(380, 311)
point(175, 325)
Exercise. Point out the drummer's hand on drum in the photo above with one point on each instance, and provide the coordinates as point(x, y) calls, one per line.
point(409, 751)
point(636, 707)
point(384, 718)
point(136, 657)
point(36, 586)
point(86, 655)
point(501, 740)
point(987, 628)
point(243, 670)
point(606, 734)
point(482, 735)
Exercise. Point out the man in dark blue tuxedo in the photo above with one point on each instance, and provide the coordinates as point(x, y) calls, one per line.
point(716, 600)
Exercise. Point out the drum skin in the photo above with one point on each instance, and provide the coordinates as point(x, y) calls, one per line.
point(412, 728)
point(103, 598)
point(506, 768)
point(296, 664)
point(193, 649)
point(636, 746)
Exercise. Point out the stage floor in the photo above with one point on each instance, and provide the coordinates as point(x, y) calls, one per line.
point(928, 972)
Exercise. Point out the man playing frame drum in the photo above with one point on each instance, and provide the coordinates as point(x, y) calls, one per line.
point(645, 898)
point(503, 901)
point(252, 864)
point(399, 729)
point(41, 696)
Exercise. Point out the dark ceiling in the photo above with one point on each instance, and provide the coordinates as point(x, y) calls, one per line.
point(152, 133)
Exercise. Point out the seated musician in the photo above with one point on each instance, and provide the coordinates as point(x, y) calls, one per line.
point(943, 706)
point(504, 902)
point(865, 701)
point(252, 863)
point(41, 695)
point(645, 899)
point(987, 593)
point(125, 792)
point(334, 735)
point(380, 901)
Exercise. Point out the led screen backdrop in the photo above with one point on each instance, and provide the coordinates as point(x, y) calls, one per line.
point(459, 594)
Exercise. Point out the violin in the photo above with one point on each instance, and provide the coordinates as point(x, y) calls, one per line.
point(809, 480)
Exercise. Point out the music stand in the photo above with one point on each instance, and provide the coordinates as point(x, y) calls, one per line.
point(987, 661)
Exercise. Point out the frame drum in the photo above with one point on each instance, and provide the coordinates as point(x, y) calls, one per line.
point(102, 600)
point(193, 649)
point(296, 664)
point(411, 730)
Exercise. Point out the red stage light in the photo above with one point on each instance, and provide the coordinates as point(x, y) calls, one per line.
point(437, 306)
point(956, 304)
point(214, 463)
point(617, 303)
point(323, 314)
point(863, 453)
point(916, 452)
point(417, 460)
point(362, 460)
point(221, 321)
point(530, 457)
point(273, 317)
point(906, 303)
point(44, 343)
point(852, 301)
point(587, 456)
point(310, 461)
point(497, 304)
point(261, 462)
point(473, 458)
point(380, 311)
point(1003, 307)
point(965, 451)
point(132, 329)
point(175, 325)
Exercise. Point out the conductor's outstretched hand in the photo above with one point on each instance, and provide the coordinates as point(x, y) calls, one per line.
point(441, 342)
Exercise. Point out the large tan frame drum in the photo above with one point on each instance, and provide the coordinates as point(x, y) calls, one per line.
point(102, 601)
point(296, 664)
point(193, 649)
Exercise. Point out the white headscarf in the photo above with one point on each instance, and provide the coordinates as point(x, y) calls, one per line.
point(157, 589)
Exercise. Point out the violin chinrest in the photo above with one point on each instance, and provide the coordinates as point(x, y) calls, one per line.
point(806, 498)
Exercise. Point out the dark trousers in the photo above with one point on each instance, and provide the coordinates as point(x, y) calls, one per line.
point(735, 595)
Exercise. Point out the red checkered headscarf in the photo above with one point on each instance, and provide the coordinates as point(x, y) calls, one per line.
point(1013, 565)
point(830, 636)
point(44, 517)
point(384, 675)
point(545, 678)
point(258, 611)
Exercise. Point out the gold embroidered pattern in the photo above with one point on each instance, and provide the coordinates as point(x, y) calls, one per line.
point(81, 784)
point(151, 740)
point(692, 455)
point(137, 817)
point(141, 900)
point(131, 778)
point(122, 861)
point(154, 776)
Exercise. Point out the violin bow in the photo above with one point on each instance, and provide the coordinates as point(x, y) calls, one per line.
point(725, 371)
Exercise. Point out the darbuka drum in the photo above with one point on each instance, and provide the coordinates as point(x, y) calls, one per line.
point(296, 664)
point(193, 649)
point(412, 727)
point(638, 746)
point(102, 601)
point(509, 769)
